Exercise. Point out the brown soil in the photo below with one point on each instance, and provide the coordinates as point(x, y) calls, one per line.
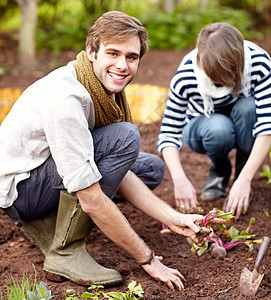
point(206, 277)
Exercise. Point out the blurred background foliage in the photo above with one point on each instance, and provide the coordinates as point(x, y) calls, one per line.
point(63, 24)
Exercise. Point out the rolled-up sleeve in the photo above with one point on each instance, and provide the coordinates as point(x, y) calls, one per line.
point(70, 141)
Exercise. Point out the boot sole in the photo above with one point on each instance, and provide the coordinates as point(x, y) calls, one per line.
point(57, 276)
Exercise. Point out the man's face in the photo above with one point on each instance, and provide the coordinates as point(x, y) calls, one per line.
point(115, 64)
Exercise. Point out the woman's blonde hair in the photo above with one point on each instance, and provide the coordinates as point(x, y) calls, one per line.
point(221, 54)
point(116, 26)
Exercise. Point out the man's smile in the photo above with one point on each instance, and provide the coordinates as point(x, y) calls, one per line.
point(116, 76)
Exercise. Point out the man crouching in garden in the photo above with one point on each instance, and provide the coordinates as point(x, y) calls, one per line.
point(69, 146)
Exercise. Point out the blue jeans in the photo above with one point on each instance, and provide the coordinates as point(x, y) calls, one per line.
point(116, 150)
point(218, 135)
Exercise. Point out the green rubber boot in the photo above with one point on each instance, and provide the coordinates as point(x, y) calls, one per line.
point(41, 231)
point(68, 256)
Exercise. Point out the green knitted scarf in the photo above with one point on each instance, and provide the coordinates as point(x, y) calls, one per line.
point(107, 110)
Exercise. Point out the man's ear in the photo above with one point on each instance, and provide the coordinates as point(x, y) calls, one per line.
point(90, 54)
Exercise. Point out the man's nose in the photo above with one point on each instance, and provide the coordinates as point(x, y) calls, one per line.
point(121, 63)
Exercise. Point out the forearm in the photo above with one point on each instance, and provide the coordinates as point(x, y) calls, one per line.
point(112, 222)
point(138, 194)
point(171, 156)
point(258, 153)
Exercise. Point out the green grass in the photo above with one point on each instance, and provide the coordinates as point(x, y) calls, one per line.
point(25, 289)
point(18, 289)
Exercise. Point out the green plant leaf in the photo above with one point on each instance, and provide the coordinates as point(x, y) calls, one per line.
point(116, 295)
point(131, 285)
point(202, 249)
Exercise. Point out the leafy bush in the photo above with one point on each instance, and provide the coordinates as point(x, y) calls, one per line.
point(62, 36)
point(166, 31)
point(64, 24)
point(259, 10)
point(10, 16)
point(180, 29)
point(55, 30)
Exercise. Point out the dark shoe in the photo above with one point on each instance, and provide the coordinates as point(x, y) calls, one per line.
point(241, 159)
point(217, 182)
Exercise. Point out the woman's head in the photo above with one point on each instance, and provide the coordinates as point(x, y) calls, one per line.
point(116, 26)
point(221, 54)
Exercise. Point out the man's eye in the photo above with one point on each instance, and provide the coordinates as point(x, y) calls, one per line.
point(132, 57)
point(112, 54)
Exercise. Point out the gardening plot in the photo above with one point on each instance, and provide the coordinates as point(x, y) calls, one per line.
point(207, 278)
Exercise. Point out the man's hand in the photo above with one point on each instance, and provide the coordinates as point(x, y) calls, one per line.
point(189, 225)
point(171, 277)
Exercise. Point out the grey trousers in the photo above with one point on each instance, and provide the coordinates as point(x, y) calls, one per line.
point(116, 150)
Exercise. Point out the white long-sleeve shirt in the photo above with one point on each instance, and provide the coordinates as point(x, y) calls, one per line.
point(52, 117)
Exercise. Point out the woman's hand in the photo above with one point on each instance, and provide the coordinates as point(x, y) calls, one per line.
point(185, 195)
point(238, 199)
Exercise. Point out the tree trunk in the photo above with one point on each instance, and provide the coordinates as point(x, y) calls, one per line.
point(27, 41)
point(169, 6)
point(204, 3)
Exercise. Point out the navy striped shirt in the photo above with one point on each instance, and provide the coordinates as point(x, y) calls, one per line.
point(185, 102)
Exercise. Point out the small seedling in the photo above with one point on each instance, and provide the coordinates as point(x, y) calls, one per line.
point(42, 293)
point(134, 292)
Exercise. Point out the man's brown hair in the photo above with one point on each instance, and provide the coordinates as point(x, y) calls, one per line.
point(221, 54)
point(116, 26)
